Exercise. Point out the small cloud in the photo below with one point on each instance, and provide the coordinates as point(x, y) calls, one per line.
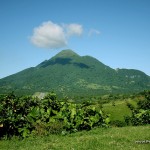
point(51, 35)
point(48, 35)
point(93, 31)
point(74, 29)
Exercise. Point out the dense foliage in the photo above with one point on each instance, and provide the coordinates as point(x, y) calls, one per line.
point(141, 113)
point(74, 75)
point(22, 116)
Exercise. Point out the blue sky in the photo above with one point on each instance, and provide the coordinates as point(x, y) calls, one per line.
point(116, 32)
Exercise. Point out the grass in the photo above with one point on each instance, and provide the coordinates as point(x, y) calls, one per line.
point(118, 110)
point(111, 138)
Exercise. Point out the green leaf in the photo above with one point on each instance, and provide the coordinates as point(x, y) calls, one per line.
point(73, 112)
point(107, 120)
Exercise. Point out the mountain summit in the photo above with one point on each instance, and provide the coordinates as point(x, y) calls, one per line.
point(70, 74)
point(66, 53)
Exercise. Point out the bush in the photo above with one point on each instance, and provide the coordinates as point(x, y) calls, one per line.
point(21, 116)
point(141, 114)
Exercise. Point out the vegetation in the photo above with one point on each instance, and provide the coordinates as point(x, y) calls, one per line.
point(117, 111)
point(141, 113)
point(69, 74)
point(22, 116)
point(45, 121)
point(125, 138)
point(49, 123)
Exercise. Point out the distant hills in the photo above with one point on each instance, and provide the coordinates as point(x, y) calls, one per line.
point(67, 73)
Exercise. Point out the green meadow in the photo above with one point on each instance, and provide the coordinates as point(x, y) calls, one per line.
point(115, 138)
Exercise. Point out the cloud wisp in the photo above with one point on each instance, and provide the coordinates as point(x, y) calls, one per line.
point(50, 35)
point(93, 32)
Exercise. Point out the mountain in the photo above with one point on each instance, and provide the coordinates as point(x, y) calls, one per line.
point(67, 73)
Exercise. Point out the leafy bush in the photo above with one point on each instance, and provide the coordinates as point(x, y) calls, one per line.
point(14, 114)
point(141, 114)
point(21, 116)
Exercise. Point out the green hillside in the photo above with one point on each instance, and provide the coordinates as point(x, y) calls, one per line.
point(71, 74)
point(125, 138)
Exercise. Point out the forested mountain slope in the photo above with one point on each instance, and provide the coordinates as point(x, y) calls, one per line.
point(69, 73)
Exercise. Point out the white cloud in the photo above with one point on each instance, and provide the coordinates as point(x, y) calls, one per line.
point(74, 29)
point(93, 31)
point(51, 35)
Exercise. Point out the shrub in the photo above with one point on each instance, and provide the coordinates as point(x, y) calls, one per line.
point(21, 116)
point(141, 114)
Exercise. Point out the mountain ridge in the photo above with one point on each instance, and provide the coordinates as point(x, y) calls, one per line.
point(67, 72)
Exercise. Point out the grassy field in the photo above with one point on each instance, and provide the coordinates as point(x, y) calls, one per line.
point(97, 139)
point(119, 109)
